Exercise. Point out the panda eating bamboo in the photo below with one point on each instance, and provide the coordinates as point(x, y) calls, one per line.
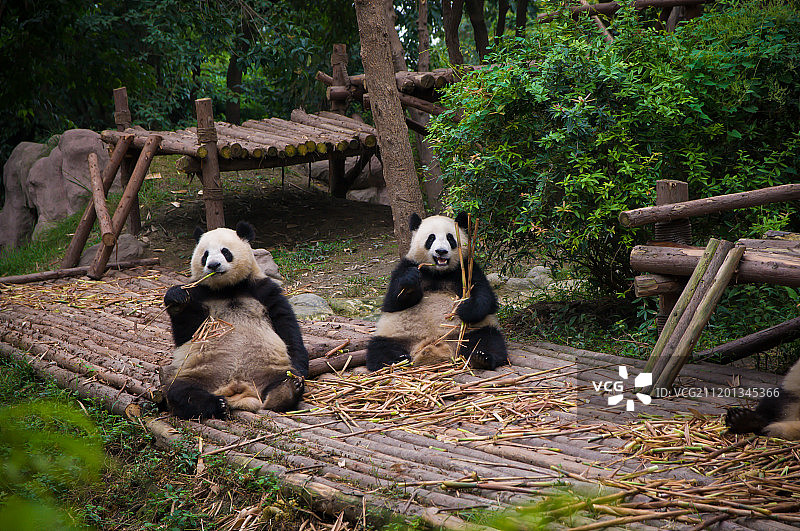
point(238, 343)
point(423, 310)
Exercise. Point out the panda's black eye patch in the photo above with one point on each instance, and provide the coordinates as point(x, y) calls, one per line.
point(205, 257)
point(452, 241)
point(227, 254)
point(430, 241)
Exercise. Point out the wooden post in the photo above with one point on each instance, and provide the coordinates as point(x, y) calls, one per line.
point(340, 77)
point(212, 183)
point(149, 150)
point(99, 200)
point(122, 117)
point(678, 231)
point(336, 181)
point(73, 254)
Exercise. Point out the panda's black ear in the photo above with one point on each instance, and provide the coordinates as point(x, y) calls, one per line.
point(414, 222)
point(463, 220)
point(245, 231)
point(198, 232)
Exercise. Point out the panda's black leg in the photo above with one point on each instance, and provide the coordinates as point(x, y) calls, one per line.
point(383, 351)
point(284, 395)
point(743, 420)
point(188, 400)
point(485, 348)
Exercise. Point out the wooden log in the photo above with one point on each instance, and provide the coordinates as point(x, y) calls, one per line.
point(756, 266)
point(285, 142)
point(339, 140)
point(649, 285)
point(322, 77)
point(212, 182)
point(73, 271)
point(337, 363)
point(416, 127)
point(679, 231)
point(791, 247)
point(99, 200)
point(760, 341)
point(345, 122)
point(253, 137)
point(609, 8)
point(690, 299)
point(84, 228)
point(782, 235)
point(336, 181)
point(339, 74)
point(174, 145)
point(699, 320)
point(710, 205)
point(300, 116)
point(149, 150)
point(123, 119)
point(414, 102)
point(189, 165)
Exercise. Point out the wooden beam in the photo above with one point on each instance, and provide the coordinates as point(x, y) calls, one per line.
point(760, 341)
point(75, 248)
point(98, 266)
point(650, 285)
point(710, 205)
point(756, 266)
point(74, 271)
point(212, 183)
point(99, 200)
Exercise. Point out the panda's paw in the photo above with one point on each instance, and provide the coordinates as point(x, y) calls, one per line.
point(176, 295)
point(468, 312)
point(298, 384)
point(410, 278)
point(743, 420)
point(479, 359)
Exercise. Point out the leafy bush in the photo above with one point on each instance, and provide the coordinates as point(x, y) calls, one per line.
point(565, 131)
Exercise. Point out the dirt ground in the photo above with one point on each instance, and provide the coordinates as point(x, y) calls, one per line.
point(332, 247)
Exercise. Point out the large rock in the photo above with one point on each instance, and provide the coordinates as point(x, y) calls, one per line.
point(267, 264)
point(374, 195)
point(45, 188)
point(17, 216)
point(75, 146)
point(127, 248)
point(310, 306)
point(371, 176)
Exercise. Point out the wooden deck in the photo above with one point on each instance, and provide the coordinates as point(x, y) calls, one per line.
point(432, 443)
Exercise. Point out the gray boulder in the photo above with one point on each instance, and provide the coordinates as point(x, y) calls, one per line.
point(267, 264)
point(127, 248)
point(45, 188)
point(17, 216)
point(371, 176)
point(374, 195)
point(310, 306)
point(75, 146)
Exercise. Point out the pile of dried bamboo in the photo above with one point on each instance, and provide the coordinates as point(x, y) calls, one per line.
point(413, 398)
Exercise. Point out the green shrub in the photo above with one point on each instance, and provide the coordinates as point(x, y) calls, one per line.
point(566, 131)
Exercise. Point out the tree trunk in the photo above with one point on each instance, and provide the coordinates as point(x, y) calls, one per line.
point(475, 10)
point(233, 112)
point(398, 53)
point(501, 21)
point(398, 161)
point(451, 16)
point(522, 17)
point(424, 37)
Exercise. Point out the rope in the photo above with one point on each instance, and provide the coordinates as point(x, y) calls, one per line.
point(206, 134)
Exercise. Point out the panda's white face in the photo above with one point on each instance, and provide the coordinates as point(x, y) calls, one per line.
point(224, 253)
point(435, 243)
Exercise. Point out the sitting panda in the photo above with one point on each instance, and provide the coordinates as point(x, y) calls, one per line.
point(421, 304)
point(256, 359)
point(775, 416)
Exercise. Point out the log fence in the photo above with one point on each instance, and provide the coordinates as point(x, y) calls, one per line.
point(670, 259)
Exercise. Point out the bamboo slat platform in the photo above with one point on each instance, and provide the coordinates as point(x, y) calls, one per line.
point(430, 442)
point(267, 143)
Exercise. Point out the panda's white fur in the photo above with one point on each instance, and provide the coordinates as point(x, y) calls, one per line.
point(252, 356)
point(422, 313)
point(776, 415)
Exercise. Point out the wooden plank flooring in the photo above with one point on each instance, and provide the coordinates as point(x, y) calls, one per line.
point(552, 433)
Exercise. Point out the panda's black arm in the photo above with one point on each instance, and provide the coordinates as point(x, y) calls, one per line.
point(482, 300)
point(405, 287)
point(284, 322)
point(186, 310)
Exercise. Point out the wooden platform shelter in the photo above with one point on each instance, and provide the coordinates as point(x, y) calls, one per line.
point(212, 147)
point(436, 442)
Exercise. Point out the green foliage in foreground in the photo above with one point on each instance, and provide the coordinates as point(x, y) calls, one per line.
point(567, 131)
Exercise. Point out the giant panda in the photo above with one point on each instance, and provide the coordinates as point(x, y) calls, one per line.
point(421, 303)
point(775, 416)
point(255, 357)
